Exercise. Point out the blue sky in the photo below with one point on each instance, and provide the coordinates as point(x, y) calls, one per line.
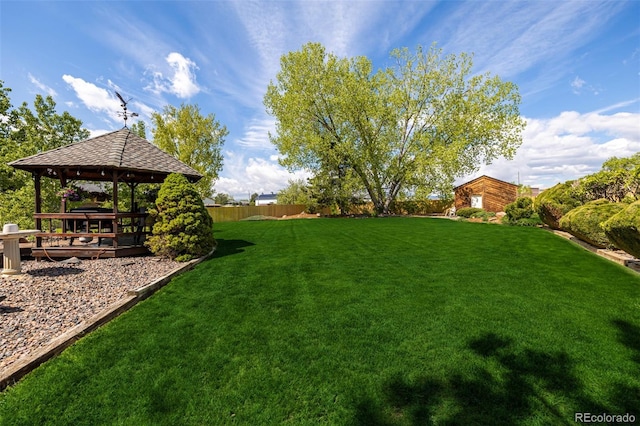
point(577, 64)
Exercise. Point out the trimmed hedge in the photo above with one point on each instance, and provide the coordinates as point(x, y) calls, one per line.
point(623, 229)
point(584, 222)
point(183, 228)
point(555, 202)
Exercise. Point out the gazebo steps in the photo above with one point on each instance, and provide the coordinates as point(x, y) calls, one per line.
point(88, 251)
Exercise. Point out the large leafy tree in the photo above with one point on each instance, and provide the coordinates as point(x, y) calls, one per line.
point(192, 138)
point(339, 189)
point(23, 132)
point(413, 127)
point(618, 179)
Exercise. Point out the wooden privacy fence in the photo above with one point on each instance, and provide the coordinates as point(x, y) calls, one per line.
point(237, 213)
point(234, 214)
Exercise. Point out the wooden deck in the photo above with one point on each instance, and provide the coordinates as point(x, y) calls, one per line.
point(61, 249)
point(110, 234)
point(93, 251)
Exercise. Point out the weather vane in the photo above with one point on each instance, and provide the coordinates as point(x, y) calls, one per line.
point(124, 114)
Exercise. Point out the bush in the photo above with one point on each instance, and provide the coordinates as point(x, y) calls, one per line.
point(584, 222)
point(468, 211)
point(521, 213)
point(623, 229)
point(484, 215)
point(183, 229)
point(555, 202)
point(534, 220)
point(522, 208)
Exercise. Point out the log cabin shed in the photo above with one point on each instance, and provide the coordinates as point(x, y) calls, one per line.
point(487, 193)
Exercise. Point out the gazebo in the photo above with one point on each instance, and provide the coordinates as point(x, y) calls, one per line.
point(119, 156)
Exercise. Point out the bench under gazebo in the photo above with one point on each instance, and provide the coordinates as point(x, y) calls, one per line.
point(117, 157)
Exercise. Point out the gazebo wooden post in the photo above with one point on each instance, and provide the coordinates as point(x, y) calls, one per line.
point(114, 228)
point(132, 186)
point(63, 201)
point(38, 206)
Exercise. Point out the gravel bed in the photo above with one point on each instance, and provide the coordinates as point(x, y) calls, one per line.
point(49, 298)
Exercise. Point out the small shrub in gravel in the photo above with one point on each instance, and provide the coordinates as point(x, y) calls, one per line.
point(584, 222)
point(623, 229)
point(183, 229)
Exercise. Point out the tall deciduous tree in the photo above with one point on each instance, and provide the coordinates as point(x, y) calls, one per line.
point(222, 198)
point(618, 179)
point(193, 139)
point(341, 189)
point(415, 126)
point(25, 132)
point(139, 129)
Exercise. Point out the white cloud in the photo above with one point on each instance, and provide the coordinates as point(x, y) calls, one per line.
point(182, 83)
point(538, 38)
point(343, 27)
point(96, 133)
point(617, 106)
point(577, 84)
point(43, 87)
point(93, 97)
point(242, 177)
point(256, 134)
point(101, 100)
point(568, 146)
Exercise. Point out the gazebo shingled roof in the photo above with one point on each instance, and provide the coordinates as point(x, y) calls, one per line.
point(132, 158)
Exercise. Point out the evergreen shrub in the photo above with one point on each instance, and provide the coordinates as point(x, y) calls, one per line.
point(555, 202)
point(183, 229)
point(522, 208)
point(584, 222)
point(623, 229)
point(521, 213)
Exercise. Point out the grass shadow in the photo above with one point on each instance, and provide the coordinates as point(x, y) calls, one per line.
point(629, 395)
point(517, 384)
point(230, 247)
point(629, 335)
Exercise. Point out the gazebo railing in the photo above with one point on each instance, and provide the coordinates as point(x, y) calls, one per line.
point(74, 225)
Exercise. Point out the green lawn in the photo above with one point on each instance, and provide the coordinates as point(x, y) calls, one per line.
point(391, 321)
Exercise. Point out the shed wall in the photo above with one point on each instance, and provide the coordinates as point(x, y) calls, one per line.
point(496, 194)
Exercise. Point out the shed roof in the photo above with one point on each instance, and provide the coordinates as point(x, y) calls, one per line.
point(485, 177)
point(121, 151)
